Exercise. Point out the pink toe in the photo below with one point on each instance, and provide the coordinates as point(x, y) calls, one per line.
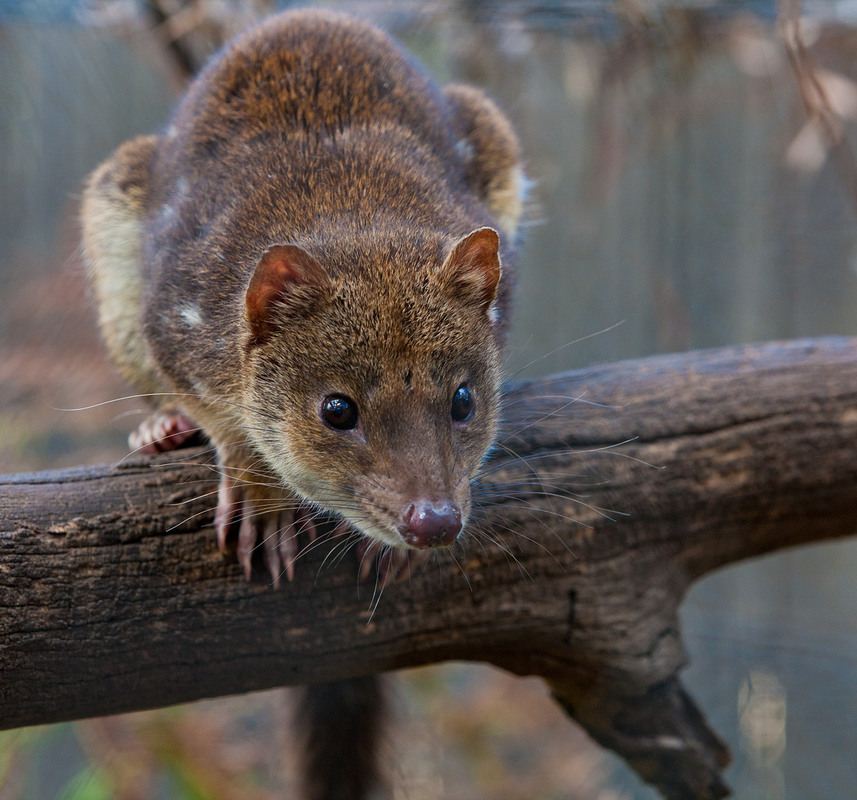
point(247, 537)
point(270, 552)
point(288, 541)
point(366, 553)
point(228, 506)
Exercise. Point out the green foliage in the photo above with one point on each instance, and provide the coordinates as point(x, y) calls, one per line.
point(89, 784)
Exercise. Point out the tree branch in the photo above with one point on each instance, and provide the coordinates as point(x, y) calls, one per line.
point(613, 489)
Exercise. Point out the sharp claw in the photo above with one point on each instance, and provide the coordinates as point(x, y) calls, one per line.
point(290, 565)
point(247, 536)
point(270, 534)
point(142, 440)
point(277, 533)
point(162, 432)
point(228, 503)
point(287, 536)
point(366, 556)
point(307, 525)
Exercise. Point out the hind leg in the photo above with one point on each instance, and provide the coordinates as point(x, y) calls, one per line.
point(491, 155)
point(112, 218)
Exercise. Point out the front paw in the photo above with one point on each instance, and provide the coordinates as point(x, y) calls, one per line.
point(267, 519)
point(164, 431)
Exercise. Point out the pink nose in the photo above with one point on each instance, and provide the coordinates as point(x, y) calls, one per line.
point(430, 524)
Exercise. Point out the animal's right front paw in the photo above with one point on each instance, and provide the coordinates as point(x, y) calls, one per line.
point(265, 517)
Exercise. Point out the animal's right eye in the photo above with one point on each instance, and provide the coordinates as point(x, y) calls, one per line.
point(462, 404)
point(339, 412)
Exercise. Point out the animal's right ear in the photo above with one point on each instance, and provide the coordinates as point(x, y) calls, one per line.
point(287, 280)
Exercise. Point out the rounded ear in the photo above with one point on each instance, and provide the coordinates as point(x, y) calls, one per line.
point(287, 280)
point(472, 268)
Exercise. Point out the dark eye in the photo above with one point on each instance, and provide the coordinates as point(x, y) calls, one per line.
point(462, 404)
point(339, 412)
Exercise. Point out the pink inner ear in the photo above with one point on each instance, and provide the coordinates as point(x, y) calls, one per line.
point(286, 275)
point(473, 265)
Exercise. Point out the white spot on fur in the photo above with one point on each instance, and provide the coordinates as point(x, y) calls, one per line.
point(167, 214)
point(464, 149)
point(191, 314)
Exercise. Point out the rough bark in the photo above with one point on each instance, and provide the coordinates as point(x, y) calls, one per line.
point(613, 489)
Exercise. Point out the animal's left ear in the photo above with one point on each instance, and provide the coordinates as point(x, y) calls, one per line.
point(472, 269)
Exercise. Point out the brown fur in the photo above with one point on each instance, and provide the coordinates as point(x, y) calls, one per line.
point(319, 219)
point(314, 130)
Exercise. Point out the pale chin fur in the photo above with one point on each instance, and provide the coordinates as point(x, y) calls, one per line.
point(300, 481)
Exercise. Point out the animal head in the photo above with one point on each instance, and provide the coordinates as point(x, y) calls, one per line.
point(378, 369)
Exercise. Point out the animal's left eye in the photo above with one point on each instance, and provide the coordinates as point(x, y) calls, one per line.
point(462, 404)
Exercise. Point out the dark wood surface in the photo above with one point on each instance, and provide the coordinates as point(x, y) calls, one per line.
point(612, 490)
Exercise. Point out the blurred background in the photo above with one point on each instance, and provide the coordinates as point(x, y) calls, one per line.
point(694, 180)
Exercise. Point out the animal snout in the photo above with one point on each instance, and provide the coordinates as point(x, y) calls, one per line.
point(429, 523)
